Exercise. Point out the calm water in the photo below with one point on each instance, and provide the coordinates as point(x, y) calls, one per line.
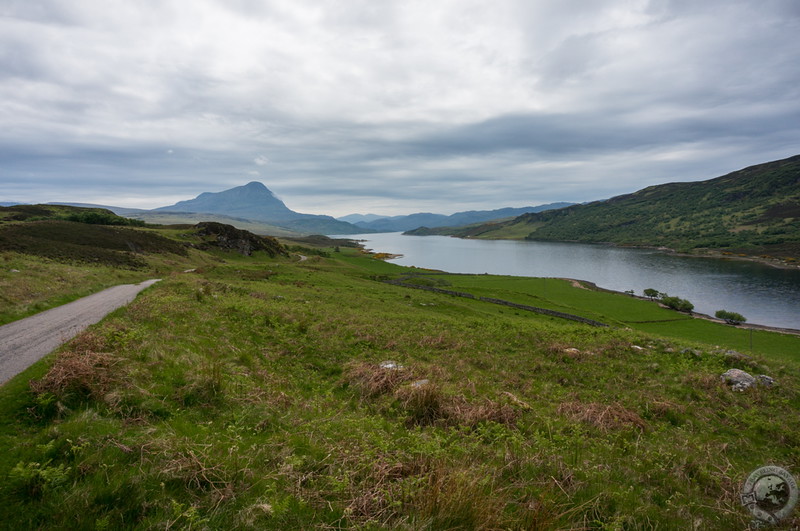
point(763, 294)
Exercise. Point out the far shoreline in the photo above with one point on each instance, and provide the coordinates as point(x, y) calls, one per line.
point(585, 284)
point(718, 255)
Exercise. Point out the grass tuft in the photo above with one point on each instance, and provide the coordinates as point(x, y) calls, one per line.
point(426, 403)
point(371, 379)
point(605, 417)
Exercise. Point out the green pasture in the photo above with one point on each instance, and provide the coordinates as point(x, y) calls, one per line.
point(248, 393)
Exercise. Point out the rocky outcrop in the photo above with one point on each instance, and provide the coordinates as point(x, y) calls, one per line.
point(244, 242)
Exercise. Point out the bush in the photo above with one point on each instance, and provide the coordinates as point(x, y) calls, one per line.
point(732, 318)
point(676, 303)
point(103, 218)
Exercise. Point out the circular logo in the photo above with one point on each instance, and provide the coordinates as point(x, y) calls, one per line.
point(770, 493)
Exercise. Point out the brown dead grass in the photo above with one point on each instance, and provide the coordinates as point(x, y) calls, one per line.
point(471, 414)
point(605, 417)
point(427, 404)
point(372, 380)
point(81, 371)
point(424, 401)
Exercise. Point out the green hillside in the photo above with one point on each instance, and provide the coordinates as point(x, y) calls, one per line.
point(88, 215)
point(754, 211)
point(259, 389)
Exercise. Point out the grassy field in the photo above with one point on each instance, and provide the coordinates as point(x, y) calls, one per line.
point(618, 310)
point(249, 394)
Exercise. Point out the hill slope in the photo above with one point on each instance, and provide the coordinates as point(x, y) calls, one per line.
point(754, 211)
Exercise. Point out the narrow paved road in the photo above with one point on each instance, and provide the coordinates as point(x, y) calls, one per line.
point(24, 342)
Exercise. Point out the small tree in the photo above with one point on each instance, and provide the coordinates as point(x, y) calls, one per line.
point(732, 318)
point(652, 293)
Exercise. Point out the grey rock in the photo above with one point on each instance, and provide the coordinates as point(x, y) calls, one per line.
point(738, 379)
point(420, 383)
point(765, 380)
point(390, 365)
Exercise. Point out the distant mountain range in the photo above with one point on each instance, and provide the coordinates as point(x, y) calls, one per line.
point(255, 208)
point(376, 223)
point(356, 218)
point(754, 211)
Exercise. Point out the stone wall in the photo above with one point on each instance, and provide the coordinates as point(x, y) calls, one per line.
point(543, 311)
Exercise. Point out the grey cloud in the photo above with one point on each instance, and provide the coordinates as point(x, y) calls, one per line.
point(399, 104)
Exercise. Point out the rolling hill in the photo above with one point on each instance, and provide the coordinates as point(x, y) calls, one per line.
point(753, 211)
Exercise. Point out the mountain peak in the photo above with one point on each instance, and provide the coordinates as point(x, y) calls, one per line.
point(251, 201)
point(255, 185)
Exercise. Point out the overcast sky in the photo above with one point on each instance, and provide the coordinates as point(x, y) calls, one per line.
point(390, 107)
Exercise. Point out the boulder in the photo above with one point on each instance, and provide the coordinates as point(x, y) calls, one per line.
point(738, 379)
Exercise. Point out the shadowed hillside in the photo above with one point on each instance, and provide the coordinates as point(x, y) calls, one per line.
point(91, 235)
point(80, 242)
point(753, 211)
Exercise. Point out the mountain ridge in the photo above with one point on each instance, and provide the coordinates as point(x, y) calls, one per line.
point(467, 217)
